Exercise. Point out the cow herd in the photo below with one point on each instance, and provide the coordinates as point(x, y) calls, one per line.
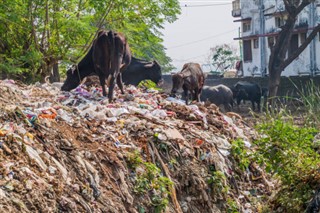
point(110, 59)
point(191, 79)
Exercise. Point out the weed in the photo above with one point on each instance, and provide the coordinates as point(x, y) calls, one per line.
point(150, 181)
point(218, 181)
point(239, 152)
point(310, 97)
point(286, 151)
point(232, 206)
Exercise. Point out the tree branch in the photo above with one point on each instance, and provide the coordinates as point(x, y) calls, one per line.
point(303, 4)
point(296, 53)
point(103, 18)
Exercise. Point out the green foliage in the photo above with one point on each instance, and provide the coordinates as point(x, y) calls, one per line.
point(287, 152)
point(223, 57)
point(218, 181)
point(232, 206)
point(134, 159)
point(35, 35)
point(240, 153)
point(150, 180)
point(148, 84)
point(220, 188)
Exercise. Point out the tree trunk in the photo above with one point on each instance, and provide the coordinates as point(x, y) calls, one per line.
point(43, 74)
point(55, 75)
point(274, 82)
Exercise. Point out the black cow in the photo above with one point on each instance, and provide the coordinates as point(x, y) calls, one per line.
point(191, 79)
point(244, 90)
point(264, 92)
point(108, 53)
point(140, 70)
point(218, 95)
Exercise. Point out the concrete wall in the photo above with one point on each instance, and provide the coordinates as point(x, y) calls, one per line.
point(288, 85)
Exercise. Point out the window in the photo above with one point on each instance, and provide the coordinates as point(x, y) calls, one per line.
point(236, 5)
point(303, 37)
point(256, 43)
point(247, 51)
point(246, 26)
point(280, 20)
point(294, 44)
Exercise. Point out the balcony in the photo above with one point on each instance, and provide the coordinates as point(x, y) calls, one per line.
point(236, 10)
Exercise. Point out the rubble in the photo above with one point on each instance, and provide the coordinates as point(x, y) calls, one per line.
point(146, 152)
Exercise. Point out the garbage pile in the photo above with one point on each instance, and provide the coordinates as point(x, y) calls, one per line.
point(146, 152)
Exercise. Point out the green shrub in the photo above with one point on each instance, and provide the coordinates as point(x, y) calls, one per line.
point(150, 181)
point(287, 152)
point(239, 152)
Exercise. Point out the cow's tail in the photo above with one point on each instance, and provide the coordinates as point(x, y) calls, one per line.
point(111, 43)
point(112, 54)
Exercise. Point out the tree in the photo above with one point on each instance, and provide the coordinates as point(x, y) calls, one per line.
point(223, 57)
point(278, 60)
point(39, 36)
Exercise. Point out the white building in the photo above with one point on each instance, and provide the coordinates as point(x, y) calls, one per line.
point(260, 22)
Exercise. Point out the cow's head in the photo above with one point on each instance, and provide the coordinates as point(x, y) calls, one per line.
point(72, 80)
point(155, 72)
point(177, 82)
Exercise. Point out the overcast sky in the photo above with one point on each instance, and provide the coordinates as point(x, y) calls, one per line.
point(201, 25)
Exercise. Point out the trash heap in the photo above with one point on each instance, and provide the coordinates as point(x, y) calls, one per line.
point(146, 152)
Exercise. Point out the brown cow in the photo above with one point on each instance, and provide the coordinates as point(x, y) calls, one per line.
point(191, 79)
point(108, 54)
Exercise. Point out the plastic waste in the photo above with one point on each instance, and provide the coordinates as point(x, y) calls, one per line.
point(177, 101)
point(34, 155)
point(2, 194)
point(116, 112)
point(63, 171)
point(64, 115)
point(159, 113)
point(49, 113)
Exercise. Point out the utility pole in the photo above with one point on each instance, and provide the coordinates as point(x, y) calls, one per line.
point(313, 59)
point(262, 40)
point(240, 43)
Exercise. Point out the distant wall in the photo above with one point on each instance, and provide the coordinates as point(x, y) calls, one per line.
point(287, 84)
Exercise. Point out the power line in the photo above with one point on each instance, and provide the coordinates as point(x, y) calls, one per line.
point(206, 5)
point(209, 1)
point(207, 38)
point(188, 59)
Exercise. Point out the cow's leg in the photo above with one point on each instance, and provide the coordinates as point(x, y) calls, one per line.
point(258, 104)
point(103, 84)
point(238, 103)
point(116, 58)
point(253, 107)
point(186, 93)
point(111, 87)
point(231, 103)
point(119, 82)
point(197, 94)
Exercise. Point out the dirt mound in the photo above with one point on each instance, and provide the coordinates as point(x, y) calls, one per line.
point(75, 152)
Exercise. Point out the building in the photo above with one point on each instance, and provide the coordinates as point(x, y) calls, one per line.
point(261, 21)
